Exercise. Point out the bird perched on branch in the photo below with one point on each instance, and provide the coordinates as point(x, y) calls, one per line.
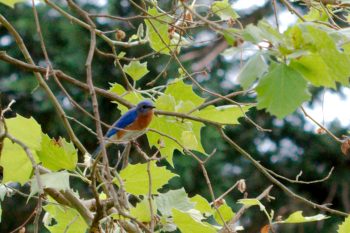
point(129, 126)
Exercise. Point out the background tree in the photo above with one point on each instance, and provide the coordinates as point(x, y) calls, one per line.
point(170, 52)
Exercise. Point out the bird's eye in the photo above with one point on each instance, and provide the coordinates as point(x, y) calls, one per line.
point(144, 106)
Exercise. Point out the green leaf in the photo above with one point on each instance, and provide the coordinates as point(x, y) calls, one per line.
point(55, 180)
point(131, 96)
point(251, 202)
point(227, 114)
point(178, 97)
point(136, 180)
point(157, 30)
point(282, 90)
point(297, 217)
point(173, 199)
point(174, 128)
point(189, 140)
point(230, 35)
point(183, 94)
point(315, 70)
point(11, 3)
point(224, 10)
point(16, 164)
point(26, 130)
point(253, 69)
point(57, 155)
point(345, 226)
point(226, 213)
point(262, 32)
point(67, 219)
point(202, 205)
point(142, 211)
point(319, 41)
point(136, 70)
point(187, 224)
point(316, 14)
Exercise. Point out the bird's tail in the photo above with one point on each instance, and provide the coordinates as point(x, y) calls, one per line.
point(99, 150)
point(96, 152)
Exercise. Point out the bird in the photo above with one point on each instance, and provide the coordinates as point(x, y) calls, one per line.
point(129, 126)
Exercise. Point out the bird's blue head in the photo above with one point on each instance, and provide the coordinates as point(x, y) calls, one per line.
point(145, 106)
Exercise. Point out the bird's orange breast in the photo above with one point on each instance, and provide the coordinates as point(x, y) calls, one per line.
point(140, 124)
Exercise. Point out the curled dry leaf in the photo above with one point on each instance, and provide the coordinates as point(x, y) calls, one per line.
point(241, 185)
point(119, 35)
point(219, 202)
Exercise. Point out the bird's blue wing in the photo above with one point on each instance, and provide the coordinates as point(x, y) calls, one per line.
point(128, 118)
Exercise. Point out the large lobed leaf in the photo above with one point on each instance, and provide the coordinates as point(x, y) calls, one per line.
point(136, 179)
point(56, 180)
point(14, 160)
point(282, 90)
point(136, 69)
point(67, 219)
point(56, 155)
point(157, 30)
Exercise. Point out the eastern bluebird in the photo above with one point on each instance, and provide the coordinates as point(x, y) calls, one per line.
point(129, 126)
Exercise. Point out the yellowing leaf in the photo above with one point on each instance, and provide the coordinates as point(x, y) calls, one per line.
point(187, 224)
point(227, 114)
point(297, 217)
point(224, 10)
point(226, 213)
point(142, 211)
point(130, 96)
point(26, 130)
point(66, 219)
point(136, 70)
point(57, 155)
point(178, 97)
point(316, 14)
point(345, 226)
point(166, 103)
point(174, 128)
point(251, 202)
point(11, 3)
point(136, 180)
point(157, 30)
point(314, 69)
point(183, 93)
point(282, 90)
point(16, 164)
point(56, 180)
point(189, 141)
point(202, 205)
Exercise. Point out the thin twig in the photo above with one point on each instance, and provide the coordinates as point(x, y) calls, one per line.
point(264, 171)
